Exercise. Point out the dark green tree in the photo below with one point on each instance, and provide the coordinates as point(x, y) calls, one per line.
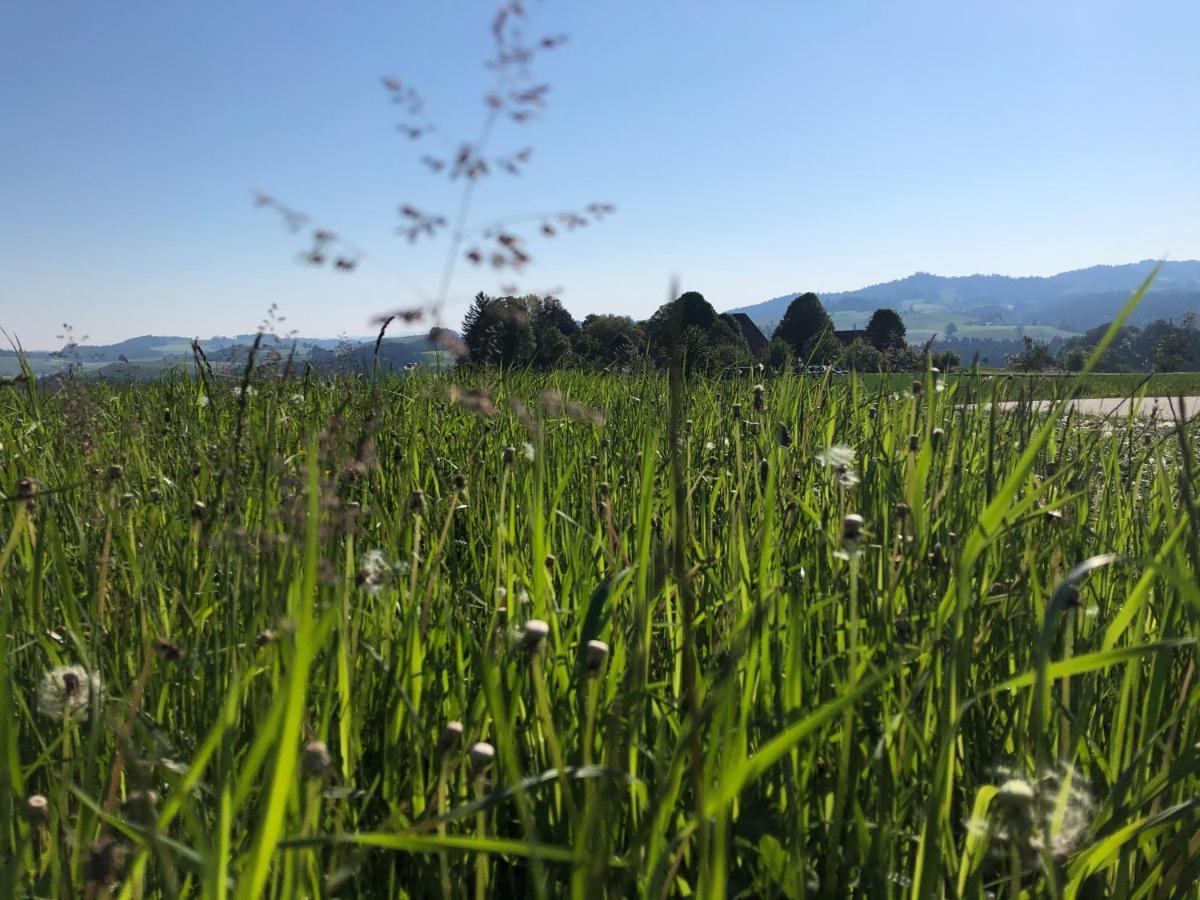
point(497, 331)
point(886, 330)
point(803, 324)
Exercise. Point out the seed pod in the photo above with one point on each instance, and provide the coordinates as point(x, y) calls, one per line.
point(594, 655)
point(914, 443)
point(852, 527)
point(534, 634)
point(737, 411)
point(481, 755)
point(551, 559)
point(198, 509)
point(508, 455)
point(315, 760)
point(115, 471)
point(764, 470)
point(156, 495)
point(872, 411)
point(602, 489)
point(785, 436)
point(937, 437)
point(27, 489)
point(460, 483)
point(451, 737)
point(266, 636)
point(917, 388)
point(901, 511)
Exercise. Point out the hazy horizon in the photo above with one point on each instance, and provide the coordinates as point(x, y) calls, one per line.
point(748, 155)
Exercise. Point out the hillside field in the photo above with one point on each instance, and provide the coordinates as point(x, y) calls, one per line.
point(503, 634)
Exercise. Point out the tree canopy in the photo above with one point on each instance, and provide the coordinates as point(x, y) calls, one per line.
point(803, 324)
point(886, 331)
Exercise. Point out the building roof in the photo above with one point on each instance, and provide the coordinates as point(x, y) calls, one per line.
point(850, 335)
point(754, 337)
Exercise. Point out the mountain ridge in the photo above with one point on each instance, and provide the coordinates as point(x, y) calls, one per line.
point(1052, 295)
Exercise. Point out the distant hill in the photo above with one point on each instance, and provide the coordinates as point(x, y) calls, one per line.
point(1067, 303)
point(150, 356)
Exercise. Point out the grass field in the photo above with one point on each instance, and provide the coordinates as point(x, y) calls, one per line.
point(1019, 385)
point(476, 635)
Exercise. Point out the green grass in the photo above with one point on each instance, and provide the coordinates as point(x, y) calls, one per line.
point(1019, 385)
point(946, 707)
point(925, 319)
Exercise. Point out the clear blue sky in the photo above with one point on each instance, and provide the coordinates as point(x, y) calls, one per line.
point(752, 149)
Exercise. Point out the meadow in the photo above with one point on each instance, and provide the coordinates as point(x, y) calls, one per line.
point(503, 634)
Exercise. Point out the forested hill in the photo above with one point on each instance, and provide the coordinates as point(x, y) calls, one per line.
point(1075, 300)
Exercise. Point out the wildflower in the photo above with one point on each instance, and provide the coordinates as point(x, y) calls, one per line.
point(373, 571)
point(315, 760)
point(840, 458)
point(852, 533)
point(451, 736)
point(534, 634)
point(594, 655)
point(37, 808)
point(1050, 813)
point(481, 755)
point(837, 455)
point(66, 693)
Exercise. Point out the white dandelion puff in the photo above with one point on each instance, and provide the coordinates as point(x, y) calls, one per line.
point(373, 571)
point(840, 458)
point(527, 450)
point(1051, 813)
point(837, 455)
point(67, 692)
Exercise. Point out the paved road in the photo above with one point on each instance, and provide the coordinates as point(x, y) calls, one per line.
point(1168, 407)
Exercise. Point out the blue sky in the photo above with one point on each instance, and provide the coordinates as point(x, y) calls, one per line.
point(751, 148)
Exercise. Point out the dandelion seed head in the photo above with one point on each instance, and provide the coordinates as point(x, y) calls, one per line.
point(66, 693)
point(374, 571)
point(837, 455)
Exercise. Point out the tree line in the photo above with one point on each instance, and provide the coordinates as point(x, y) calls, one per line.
point(540, 333)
